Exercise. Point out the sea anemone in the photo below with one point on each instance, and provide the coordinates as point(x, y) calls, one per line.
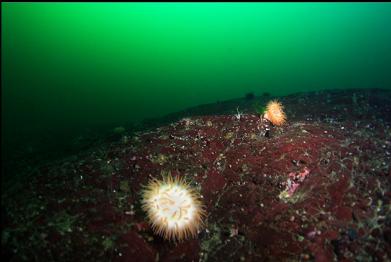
point(174, 209)
point(275, 113)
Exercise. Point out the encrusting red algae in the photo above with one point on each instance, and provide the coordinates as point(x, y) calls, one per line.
point(315, 188)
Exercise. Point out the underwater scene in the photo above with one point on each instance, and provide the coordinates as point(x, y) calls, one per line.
point(196, 131)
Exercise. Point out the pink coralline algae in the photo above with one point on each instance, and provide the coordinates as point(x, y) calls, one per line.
point(294, 180)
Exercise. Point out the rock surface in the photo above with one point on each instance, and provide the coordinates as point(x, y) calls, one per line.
point(316, 189)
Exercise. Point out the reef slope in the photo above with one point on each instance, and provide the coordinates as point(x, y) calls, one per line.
point(316, 189)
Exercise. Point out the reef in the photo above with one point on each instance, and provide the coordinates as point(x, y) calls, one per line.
point(317, 188)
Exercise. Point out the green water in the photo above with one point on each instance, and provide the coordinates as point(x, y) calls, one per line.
point(71, 66)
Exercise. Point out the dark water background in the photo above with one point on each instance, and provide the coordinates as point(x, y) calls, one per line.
point(70, 69)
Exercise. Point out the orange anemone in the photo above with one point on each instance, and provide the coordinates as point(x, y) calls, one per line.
point(275, 113)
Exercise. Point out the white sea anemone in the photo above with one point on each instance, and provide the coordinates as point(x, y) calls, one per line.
point(174, 209)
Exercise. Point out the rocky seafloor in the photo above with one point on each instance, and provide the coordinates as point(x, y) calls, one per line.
point(335, 148)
